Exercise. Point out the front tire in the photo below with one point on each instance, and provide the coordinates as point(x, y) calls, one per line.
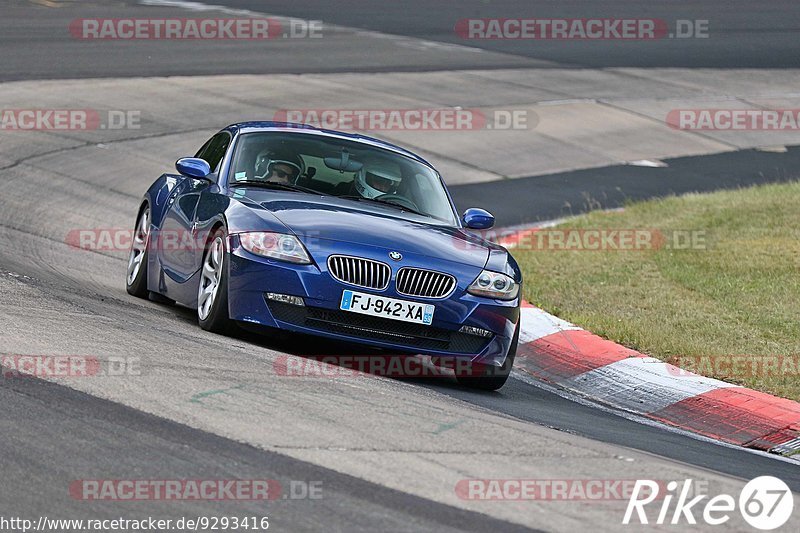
point(136, 278)
point(487, 377)
point(212, 293)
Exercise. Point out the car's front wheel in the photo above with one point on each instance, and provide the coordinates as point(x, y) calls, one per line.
point(486, 377)
point(212, 293)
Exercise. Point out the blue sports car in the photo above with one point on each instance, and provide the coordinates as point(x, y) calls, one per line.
point(331, 234)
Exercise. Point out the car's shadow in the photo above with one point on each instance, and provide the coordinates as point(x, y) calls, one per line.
point(351, 359)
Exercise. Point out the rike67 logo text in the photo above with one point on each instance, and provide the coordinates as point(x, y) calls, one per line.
point(765, 503)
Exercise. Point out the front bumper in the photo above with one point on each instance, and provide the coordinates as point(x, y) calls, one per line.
point(251, 276)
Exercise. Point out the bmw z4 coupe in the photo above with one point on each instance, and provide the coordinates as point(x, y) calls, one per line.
point(332, 234)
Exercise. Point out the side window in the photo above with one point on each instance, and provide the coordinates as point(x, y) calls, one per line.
point(214, 150)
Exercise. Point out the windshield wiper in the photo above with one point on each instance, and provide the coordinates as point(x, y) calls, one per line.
point(273, 185)
point(383, 202)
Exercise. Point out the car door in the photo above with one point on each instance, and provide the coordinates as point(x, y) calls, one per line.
point(180, 249)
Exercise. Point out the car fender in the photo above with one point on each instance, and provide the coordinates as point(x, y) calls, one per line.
point(158, 196)
point(502, 261)
point(244, 216)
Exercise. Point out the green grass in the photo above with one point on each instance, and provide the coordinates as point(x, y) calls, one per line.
point(737, 296)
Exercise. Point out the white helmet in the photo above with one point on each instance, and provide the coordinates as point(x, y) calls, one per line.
point(269, 158)
point(378, 178)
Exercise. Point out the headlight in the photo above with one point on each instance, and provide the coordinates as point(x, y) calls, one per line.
point(494, 285)
point(275, 245)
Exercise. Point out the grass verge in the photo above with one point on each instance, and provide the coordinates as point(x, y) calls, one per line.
point(716, 292)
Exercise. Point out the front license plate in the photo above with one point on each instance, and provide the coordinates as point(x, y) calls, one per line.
point(370, 304)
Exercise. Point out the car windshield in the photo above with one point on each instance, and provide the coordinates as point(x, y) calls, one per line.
point(347, 169)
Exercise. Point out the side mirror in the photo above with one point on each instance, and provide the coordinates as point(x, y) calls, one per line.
point(475, 218)
point(193, 167)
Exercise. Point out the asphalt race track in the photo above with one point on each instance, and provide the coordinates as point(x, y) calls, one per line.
point(570, 193)
point(388, 454)
point(739, 36)
point(742, 37)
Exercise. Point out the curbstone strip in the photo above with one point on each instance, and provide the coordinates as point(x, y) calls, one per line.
point(558, 352)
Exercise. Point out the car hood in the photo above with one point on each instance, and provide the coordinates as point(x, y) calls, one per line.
point(329, 218)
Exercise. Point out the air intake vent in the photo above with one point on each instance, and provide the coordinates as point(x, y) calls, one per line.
point(424, 283)
point(360, 272)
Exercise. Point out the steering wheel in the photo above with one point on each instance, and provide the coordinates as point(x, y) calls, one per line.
point(397, 200)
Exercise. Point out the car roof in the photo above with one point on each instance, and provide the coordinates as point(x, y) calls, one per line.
point(260, 126)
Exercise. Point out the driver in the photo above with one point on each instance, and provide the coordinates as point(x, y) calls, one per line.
point(279, 166)
point(377, 179)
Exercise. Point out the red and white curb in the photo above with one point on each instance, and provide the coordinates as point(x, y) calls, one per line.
point(563, 354)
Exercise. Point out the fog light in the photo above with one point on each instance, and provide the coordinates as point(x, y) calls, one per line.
point(285, 298)
point(469, 330)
